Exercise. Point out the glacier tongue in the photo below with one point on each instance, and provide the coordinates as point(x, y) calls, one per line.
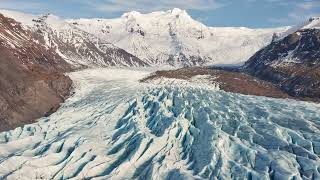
point(115, 127)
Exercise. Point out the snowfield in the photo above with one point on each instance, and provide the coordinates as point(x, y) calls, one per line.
point(174, 37)
point(114, 127)
point(155, 39)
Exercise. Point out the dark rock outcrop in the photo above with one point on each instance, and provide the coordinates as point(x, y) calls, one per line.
point(292, 63)
point(32, 83)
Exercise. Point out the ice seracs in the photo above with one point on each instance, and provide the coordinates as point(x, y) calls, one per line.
point(114, 127)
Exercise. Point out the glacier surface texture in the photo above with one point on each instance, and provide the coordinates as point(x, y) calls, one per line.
point(114, 127)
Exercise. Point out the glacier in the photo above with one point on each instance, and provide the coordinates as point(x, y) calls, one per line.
point(114, 127)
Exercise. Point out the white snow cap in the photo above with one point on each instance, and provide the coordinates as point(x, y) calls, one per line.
point(163, 37)
point(311, 23)
point(177, 11)
point(174, 36)
point(173, 12)
point(131, 14)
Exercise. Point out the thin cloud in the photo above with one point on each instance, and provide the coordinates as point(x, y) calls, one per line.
point(309, 5)
point(293, 18)
point(148, 6)
point(20, 5)
point(300, 13)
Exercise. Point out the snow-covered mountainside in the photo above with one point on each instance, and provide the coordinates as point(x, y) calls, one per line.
point(170, 37)
point(311, 23)
point(114, 127)
point(173, 37)
point(76, 46)
point(292, 61)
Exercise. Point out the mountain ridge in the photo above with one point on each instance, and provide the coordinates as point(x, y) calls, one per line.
point(159, 38)
point(77, 47)
point(173, 37)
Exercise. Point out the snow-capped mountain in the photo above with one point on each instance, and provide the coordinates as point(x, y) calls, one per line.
point(114, 126)
point(311, 23)
point(26, 46)
point(77, 47)
point(173, 37)
point(164, 37)
point(292, 61)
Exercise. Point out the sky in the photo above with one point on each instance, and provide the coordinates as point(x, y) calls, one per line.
point(247, 13)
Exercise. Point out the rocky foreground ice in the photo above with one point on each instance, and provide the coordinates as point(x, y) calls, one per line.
point(115, 127)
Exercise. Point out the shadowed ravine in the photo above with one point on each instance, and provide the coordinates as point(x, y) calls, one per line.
point(115, 127)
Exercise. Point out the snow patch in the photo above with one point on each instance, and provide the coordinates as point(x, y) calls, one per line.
point(312, 23)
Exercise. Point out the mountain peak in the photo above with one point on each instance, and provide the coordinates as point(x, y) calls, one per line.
point(131, 14)
point(312, 23)
point(177, 11)
point(314, 19)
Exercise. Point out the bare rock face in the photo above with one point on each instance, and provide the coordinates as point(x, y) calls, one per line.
point(292, 63)
point(32, 83)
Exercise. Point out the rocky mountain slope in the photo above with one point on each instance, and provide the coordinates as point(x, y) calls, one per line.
point(292, 61)
point(76, 46)
point(32, 83)
point(173, 37)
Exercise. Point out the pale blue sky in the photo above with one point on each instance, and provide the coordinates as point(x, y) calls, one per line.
point(250, 13)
